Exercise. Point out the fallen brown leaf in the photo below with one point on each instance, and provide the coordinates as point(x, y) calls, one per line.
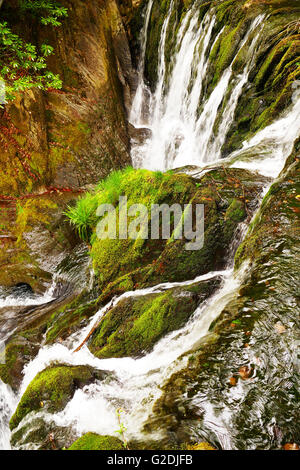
point(291, 446)
point(233, 381)
point(279, 327)
point(245, 372)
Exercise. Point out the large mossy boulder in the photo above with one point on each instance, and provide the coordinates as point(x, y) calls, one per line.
point(137, 323)
point(52, 389)
point(247, 370)
point(229, 196)
point(92, 441)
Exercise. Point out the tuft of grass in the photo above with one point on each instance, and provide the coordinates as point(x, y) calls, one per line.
point(110, 187)
point(83, 215)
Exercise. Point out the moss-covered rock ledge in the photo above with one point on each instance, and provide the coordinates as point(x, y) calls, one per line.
point(92, 441)
point(51, 389)
point(229, 197)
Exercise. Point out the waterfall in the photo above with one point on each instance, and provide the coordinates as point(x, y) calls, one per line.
point(271, 146)
point(211, 148)
point(187, 128)
point(142, 92)
point(178, 136)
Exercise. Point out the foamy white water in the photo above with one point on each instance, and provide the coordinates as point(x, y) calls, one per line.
point(180, 136)
point(8, 402)
point(268, 150)
point(23, 300)
point(134, 385)
point(142, 94)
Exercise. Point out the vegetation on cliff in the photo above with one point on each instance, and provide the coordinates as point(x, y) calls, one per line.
point(22, 66)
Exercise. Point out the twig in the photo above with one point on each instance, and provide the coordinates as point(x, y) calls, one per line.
point(93, 329)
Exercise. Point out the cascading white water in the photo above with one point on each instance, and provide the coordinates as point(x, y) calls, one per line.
point(135, 383)
point(179, 137)
point(267, 151)
point(8, 399)
point(24, 300)
point(8, 402)
point(142, 93)
point(212, 152)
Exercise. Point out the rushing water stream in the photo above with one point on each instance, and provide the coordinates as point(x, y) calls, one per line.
point(179, 136)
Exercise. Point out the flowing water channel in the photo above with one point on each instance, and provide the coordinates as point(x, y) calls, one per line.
point(180, 135)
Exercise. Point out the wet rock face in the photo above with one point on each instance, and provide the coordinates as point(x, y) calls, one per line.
point(139, 135)
point(247, 372)
point(78, 134)
point(36, 238)
point(18, 352)
point(62, 139)
point(22, 328)
point(41, 435)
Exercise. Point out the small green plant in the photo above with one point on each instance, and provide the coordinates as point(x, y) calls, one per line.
point(122, 429)
point(83, 215)
point(49, 11)
point(110, 187)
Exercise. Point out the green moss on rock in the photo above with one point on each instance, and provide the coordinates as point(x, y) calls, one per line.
point(52, 387)
point(16, 352)
point(136, 324)
point(92, 441)
point(228, 196)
